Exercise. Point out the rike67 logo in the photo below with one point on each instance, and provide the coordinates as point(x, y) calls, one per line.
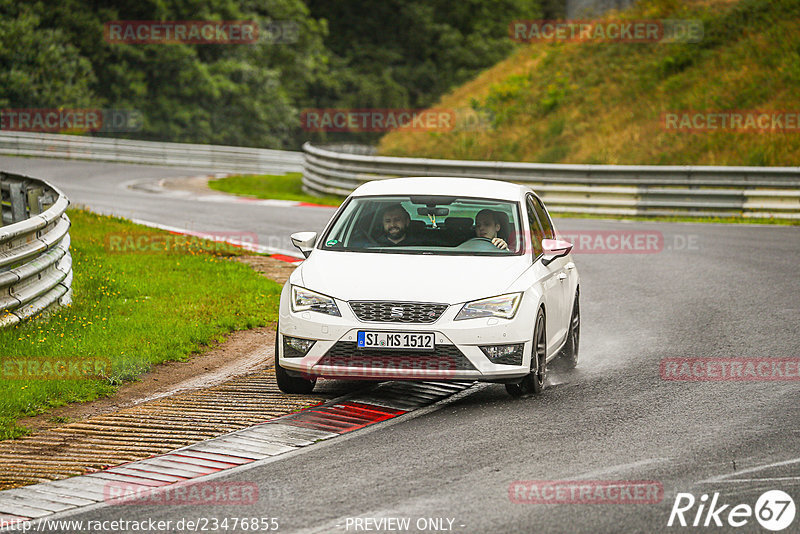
point(774, 510)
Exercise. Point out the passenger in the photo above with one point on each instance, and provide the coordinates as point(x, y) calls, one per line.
point(396, 221)
point(487, 225)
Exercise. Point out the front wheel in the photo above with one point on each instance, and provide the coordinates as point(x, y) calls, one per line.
point(290, 384)
point(534, 382)
point(569, 354)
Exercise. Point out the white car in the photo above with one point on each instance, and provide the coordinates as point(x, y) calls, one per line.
point(404, 284)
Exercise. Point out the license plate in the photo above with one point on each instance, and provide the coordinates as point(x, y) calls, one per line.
point(396, 340)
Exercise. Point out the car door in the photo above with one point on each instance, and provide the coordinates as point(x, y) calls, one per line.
point(563, 265)
point(551, 285)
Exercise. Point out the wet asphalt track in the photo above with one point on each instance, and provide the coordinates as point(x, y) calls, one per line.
point(713, 291)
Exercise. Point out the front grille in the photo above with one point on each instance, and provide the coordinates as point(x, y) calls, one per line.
point(444, 358)
point(397, 312)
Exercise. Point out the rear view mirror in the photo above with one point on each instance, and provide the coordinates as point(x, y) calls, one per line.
point(437, 212)
point(554, 248)
point(304, 241)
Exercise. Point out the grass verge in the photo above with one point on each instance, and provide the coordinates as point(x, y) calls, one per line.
point(159, 298)
point(281, 187)
point(605, 102)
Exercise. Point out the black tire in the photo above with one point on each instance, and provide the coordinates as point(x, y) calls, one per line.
point(290, 384)
point(569, 354)
point(534, 382)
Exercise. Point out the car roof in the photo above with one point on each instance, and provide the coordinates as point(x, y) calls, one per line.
point(442, 185)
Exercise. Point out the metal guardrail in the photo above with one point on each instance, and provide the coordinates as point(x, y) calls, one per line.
point(211, 157)
point(35, 263)
point(771, 192)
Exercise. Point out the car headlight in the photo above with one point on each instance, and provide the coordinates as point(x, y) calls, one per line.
point(504, 306)
point(307, 300)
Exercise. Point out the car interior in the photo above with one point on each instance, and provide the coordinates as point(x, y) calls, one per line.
point(451, 232)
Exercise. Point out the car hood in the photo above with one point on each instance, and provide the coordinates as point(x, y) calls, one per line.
point(409, 277)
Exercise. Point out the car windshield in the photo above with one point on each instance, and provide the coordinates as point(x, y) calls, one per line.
point(425, 224)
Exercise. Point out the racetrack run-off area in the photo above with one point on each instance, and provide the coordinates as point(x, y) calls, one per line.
point(708, 291)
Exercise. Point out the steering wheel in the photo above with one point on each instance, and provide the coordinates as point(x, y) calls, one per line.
point(479, 244)
point(363, 238)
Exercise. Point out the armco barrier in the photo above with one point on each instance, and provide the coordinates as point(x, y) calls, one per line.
point(210, 157)
point(35, 263)
point(589, 189)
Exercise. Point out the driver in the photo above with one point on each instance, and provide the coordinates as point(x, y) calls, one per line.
point(487, 226)
point(396, 221)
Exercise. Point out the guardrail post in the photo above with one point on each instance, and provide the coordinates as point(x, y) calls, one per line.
point(17, 200)
point(35, 200)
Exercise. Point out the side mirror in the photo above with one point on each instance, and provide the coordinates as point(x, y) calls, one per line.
point(554, 248)
point(304, 241)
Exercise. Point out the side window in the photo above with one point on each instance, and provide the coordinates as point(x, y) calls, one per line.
point(547, 226)
point(536, 230)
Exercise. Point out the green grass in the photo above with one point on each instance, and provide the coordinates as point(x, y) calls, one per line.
point(135, 308)
point(603, 102)
point(281, 187)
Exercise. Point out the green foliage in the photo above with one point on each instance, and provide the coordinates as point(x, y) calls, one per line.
point(39, 67)
point(603, 102)
point(414, 50)
point(407, 53)
point(362, 53)
point(554, 93)
point(502, 97)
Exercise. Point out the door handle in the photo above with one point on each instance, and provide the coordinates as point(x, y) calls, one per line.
point(561, 277)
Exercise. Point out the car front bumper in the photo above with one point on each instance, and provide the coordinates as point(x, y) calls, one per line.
point(458, 354)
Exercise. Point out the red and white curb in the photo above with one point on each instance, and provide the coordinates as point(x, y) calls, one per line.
point(291, 256)
point(224, 198)
point(260, 442)
point(262, 202)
